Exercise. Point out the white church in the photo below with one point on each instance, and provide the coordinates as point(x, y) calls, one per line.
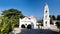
point(30, 22)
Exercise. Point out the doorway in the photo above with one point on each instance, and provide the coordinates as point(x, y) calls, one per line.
point(22, 26)
point(29, 26)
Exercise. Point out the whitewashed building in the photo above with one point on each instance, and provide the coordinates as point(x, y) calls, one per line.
point(28, 22)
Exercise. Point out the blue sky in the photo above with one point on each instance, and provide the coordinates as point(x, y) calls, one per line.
point(31, 7)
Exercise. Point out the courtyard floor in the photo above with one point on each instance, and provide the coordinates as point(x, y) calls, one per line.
point(37, 31)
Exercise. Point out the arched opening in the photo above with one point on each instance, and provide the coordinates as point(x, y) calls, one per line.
point(29, 27)
point(46, 23)
point(22, 26)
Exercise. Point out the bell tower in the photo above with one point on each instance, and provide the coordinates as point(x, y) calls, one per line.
point(46, 19)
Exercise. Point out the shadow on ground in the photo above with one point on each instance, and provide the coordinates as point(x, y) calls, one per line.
point(38, 31)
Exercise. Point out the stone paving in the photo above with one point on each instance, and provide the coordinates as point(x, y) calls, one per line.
point(37, 31)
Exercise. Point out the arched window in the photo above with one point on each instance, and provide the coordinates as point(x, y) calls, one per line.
point(46, 23)
point(46, 11)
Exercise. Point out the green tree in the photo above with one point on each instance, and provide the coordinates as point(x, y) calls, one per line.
point(52, 17)
point(58, 25)
point(4, 26)
point(58, 17)
point(9, 19)
point(13, 14)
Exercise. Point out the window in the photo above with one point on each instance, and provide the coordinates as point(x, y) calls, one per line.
point(46, 23)
point(46, 11)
